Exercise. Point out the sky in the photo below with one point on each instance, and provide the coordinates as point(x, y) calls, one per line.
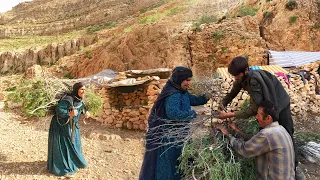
point(6, 5)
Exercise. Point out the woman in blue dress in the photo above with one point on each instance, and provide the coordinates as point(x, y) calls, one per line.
point(64, 144)
point(172, 106)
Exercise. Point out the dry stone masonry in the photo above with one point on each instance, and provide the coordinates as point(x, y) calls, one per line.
point(131, 110)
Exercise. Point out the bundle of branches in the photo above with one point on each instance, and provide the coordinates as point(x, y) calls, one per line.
point(309, 145)
point(312, 152)
point(211, 157)
point(38, 96)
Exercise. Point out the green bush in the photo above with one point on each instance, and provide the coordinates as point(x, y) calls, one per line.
point(68, 76)
point(217, 36)
point(246, 11)
point(172, 11)
point(267, 14)
point(293, 19)
point(151, 18)
point(93, 29)
point(212, 158)
point(291, 4)
point(205, 19)
point(94, 102)
point(152, 7)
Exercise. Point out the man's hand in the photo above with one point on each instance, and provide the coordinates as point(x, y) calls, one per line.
point(225, 115)
point(233, 125)
point(223, 129)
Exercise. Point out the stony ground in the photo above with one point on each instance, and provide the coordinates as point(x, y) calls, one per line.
point(111, 154)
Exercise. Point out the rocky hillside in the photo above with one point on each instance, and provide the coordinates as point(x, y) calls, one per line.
point(47, 17)
point(200, 34)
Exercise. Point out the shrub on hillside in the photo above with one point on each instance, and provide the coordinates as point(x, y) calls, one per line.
point(291, 4)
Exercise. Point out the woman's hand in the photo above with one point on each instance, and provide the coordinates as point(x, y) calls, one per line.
point(87, 115)
point(73, 113)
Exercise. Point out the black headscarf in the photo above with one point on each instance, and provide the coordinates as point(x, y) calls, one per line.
point(75, 90)
point(179, 74)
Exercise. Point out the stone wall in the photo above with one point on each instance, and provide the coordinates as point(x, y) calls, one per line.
point(129, 110)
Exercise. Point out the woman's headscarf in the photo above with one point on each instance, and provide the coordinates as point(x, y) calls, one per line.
point(179, 74)
point(75, 90)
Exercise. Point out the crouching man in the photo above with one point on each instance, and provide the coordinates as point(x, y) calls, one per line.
point(271, 146)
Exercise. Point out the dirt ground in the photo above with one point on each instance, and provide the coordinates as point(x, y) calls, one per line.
point(111, 154)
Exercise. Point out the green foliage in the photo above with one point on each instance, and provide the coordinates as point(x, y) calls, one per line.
point(88, 53)
point(151, 18)
point(210, 158)
point(313, 38)
point(93, 29)
point(29, 42)
point(245, 104)
point(4, 73)
point(32, 94)
point(94, 102)
point(303, 138)
point(268, 1)
point(316, 26)
point(216, 36)
point(246, 11)
point(152, 7)
point(128, 29)
point(130, 2)
point(299, 36)
point(224, 49)
point(172, 11)
point(293, 19)
point(68, 76)
point(267, 14)
point(37, 97)
point(11, 88)
point(205, 19)
point(291, 4)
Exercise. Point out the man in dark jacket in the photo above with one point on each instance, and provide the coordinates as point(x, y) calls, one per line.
point(261, 85)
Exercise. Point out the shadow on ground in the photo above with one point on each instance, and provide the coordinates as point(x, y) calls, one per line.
point(23, 168)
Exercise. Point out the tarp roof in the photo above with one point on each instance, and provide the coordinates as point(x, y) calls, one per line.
point(223, 72)
point(100, 78)
point(292, 58)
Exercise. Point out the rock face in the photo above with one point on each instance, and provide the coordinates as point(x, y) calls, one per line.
point(20, 61)
point(289, 30)
point(168, 39)
point(42, 17)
